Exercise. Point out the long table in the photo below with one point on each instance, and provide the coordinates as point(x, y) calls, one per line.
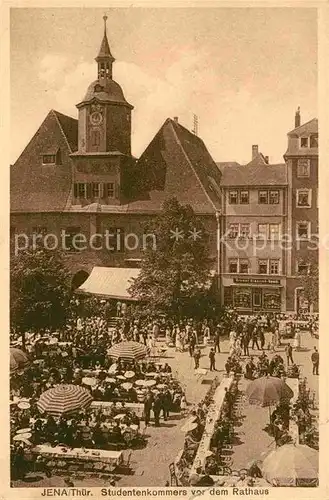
point(56, 452)
point(107, 405)
point(213, 414)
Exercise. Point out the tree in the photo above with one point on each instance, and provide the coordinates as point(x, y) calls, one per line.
point(40, 289)
point(175, 275)
point(310, 283)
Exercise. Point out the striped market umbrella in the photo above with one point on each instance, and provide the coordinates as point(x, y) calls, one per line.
point(64, 398)
point(128, 351)
point(18, 359)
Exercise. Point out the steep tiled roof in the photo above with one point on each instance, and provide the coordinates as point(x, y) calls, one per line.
point(36, 187)
point(177, 164)
point(309, 127)
point(253, 175)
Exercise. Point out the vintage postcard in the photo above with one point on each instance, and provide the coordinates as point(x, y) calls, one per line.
point(167, 166)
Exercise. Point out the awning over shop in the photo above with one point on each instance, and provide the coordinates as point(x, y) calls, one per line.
point(110, 282)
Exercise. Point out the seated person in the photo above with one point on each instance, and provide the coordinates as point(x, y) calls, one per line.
point(201, 479)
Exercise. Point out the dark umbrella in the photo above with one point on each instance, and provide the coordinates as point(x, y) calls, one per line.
point(267, 391)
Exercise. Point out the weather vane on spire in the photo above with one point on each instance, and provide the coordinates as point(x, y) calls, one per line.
point(105, 19)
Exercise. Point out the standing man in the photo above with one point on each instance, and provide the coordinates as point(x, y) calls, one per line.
point(288, 351)
point(315, 361)
point(212, 360)
point(217, 338)
point(254, 338)
point(148, 402)
point(197, 356)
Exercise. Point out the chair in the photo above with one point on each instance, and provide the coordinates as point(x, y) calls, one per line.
point(173, 477)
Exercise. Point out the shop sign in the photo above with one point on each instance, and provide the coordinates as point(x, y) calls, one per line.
point(256, 281)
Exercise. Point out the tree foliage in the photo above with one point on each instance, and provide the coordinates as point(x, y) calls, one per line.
point(40, 289)
point(310, 282)
point(174, 275)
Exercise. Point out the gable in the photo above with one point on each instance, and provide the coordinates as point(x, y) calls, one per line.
point(38, 187)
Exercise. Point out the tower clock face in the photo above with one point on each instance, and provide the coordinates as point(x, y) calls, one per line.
point(96, 118)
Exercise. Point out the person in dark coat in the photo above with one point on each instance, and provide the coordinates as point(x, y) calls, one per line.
point(212, 360)
point(315, 361)
point(217, 339)
point(197, 356)
point(157, 405)
point(148, 402)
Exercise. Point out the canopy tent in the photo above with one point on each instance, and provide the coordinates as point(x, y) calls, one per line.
point(110, 282)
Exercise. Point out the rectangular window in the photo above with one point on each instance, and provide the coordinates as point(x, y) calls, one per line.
point(49, 159)
point(314, 141)
point(274, 266)
point(233, 231)
point(303, 167)
point(39, 230)
point(82, 192)
point(233, 265)
point(274, 197)
point(244, 266)
point(95, 190)
point(303, 230)
point(262, 197)
point(274, 231)
point(262, 266)
point(70, 232)
point(262, 231)
point(304, 142)
point(244, 230)
point(304, 198)
point(233, 197)
point(244, 197)
point(109, 190)
point(302, 268)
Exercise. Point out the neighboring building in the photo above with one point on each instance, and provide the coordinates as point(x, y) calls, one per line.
point(254, 218)
point(79, 176)
point(302, 164)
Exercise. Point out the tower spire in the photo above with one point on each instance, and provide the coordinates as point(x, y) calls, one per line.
point(104, 59)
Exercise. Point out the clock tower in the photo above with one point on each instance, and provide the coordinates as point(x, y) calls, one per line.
point(103, 159)
point(104, 113)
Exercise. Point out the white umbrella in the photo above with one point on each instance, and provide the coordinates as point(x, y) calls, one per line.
point(127, 385)
point(189, 426)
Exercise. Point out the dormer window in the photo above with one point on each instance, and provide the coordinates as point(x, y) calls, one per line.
point(304, 142)
point(314, 141)
point(49, 159)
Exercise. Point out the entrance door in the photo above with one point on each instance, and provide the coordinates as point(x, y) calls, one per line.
point(257, 298)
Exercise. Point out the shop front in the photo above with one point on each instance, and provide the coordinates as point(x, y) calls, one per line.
point(254, 295)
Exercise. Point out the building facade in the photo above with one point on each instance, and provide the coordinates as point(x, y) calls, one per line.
point(78, 177)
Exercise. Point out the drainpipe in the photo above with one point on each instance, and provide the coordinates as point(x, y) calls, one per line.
point(219, 280)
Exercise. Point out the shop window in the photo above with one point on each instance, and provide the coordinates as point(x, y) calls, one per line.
point(243, 266)
point(314, 141)
point(303, 230)
point(233, 197)
point(274, 231)
point(274, 197)
point(262, 266)
point(303, 168)
point(262, 197)
point(233, 231)
point(244, 230)
point(244, 197)
point(272, 299)
point(304, 198)
point(304, 142)
point(233, 265)
point(242, 298)
point(274, 266)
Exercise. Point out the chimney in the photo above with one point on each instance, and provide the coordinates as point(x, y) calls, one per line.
point(267, 159)
point(176, 119)
point(254, 151)
point(297, 118)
